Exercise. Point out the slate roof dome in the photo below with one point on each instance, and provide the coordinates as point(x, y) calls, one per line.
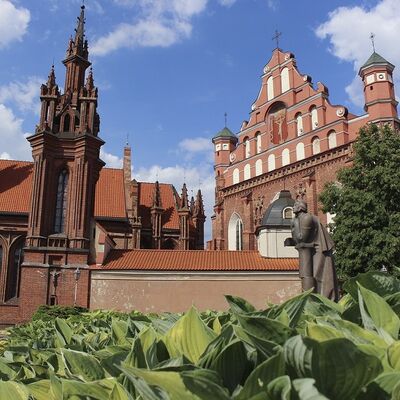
point(274, 216)
point(225, 133)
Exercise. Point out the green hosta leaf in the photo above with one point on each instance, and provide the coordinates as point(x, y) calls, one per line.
point(99, 390)
point(381, 388)
point(83, 365)
point(63, 330)
point(306, 390)
point(381, 283)
point(265, 328)
point(119, 329)
point(204, 384)
point(6, 372)
point(14, 391)
point(169, 382)
point(232, 364)
point(279, 389)
point(394, 356)
point(41, 390)
point(239, 305)
point(259, 379)
point(331, 363)
point(189, 337)
point(378, 313)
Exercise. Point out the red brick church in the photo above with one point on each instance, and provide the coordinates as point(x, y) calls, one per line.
point(74, 232)
point(295, 139)
point(64, 211)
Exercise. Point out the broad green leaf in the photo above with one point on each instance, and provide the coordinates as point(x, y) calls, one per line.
point(119, 330)
point(265, 328)
point(383, 318)
point(279, 389)
point(14, 391)
point(170, 382)
point(6, 372)
point(330, 363)
point(41, 390)
point(82, 365)
point(63, 330)
point(306, 390)
point(258, 381)
point(189, 337)
point(239, 305)
point(380, 283)
point(381, 388)
point(394, 355)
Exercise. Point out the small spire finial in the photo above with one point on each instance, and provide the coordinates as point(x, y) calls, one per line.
point(372, 37)
point(276, 37)
point(226, 119)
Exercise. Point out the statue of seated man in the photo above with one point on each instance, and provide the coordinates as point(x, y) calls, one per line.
point(315, 246)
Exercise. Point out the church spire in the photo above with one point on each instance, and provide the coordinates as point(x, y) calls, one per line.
point(184, 197)
point(157, 196)
point(51, 80)
point(80, 29)
point(199, 205)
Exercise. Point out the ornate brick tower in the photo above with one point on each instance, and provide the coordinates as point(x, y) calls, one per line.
point(184, 216)
point(199, 218)
point(380, 99)
point(65, 149)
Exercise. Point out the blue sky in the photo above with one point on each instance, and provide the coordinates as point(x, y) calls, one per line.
point(168, 70)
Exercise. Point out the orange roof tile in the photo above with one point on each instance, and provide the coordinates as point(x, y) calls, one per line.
point(170, 217)
point(110, 194)
point(15, 186)
point(195, 260)
point(16, 189)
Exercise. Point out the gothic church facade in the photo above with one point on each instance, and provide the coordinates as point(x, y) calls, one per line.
point(294, 140)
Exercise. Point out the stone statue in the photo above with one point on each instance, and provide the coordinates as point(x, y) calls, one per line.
point(315, 246)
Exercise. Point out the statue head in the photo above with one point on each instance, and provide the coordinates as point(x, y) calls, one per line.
point(299, 206)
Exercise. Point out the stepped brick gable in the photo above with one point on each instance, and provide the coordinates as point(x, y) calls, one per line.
point(295, 139)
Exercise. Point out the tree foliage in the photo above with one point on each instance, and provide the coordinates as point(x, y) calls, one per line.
point(366, 204)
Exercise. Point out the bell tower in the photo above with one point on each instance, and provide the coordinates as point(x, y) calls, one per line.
point(380, 99)
point(65, 150)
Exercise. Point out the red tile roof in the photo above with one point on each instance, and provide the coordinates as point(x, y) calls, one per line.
point(110, 194)
point(16, 189)
point(15, 186)
point(170, 217)
point(195, 260)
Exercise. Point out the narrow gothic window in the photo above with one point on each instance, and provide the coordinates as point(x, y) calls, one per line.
point(61, 202)
point(13, 272)
point(299, 124)
point(239, 235)
point(247, 147)
point(258, 140)
point(67, 123)
point(314, 117)
point(270, 88)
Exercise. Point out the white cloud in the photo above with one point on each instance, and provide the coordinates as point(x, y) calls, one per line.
point(13, 22)
point(227, 3)
point(24, 95)
point(111, 160)
point(13, 140)
point(348, 30)
point(196, 145)
point(161, 23)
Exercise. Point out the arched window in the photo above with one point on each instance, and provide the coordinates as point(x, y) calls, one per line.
point(316, 146)
point(258, 142)
point(247, 147)
point(270, 88)
point(235, 233)
point(300, 154)
point(314, 117)
point(67, 123)
point(285, 80)
point(299, 124)
point(236, 176)
point(288, 213)
point(285, 157)
point(258, 167)
point(247, 172)
point(13, 271)
point(271, 162)
point(332, 139)
point(61, 202)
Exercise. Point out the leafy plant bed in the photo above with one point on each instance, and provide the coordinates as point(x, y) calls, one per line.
point(307, 348)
